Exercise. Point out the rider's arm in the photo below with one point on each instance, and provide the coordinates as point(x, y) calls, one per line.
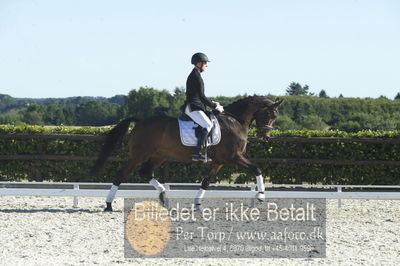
point(206, 101)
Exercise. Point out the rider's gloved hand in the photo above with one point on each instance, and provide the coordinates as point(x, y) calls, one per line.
point(219, 108)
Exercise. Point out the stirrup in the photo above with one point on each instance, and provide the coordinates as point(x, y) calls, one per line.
point(201, 158)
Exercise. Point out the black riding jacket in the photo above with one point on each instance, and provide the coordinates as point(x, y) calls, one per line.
point(195, 92)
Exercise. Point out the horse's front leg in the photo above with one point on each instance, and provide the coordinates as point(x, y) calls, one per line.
point(242, 161)
point(204, 185)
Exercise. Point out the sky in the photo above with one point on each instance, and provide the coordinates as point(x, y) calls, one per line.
point(66, 48)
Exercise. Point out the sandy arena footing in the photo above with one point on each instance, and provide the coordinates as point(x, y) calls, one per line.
point(47, 230)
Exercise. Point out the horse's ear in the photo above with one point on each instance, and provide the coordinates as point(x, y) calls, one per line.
point(277, 103)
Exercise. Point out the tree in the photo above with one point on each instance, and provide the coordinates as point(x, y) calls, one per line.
point(142, 103)
point(313, 122)
point(147, 102)
point(10, 118)
point(284, 122)
point(298, 112)
point(350, 126)
point(397, 97)
point(323, 94)
point(54, 115)
point(96, 113)
point(176, 101)
point(118, 99)
point(296, 89)
point(33, 115)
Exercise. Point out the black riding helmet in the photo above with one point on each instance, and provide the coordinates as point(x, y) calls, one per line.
point(199, 57)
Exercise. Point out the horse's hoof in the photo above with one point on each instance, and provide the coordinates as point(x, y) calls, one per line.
point(109, 207)
point(260, 196)
point(163, 199)
point(199, 207)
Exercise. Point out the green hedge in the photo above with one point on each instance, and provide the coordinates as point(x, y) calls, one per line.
point(39, 170)
point(275, 172)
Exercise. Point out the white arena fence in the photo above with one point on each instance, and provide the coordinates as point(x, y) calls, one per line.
point(189, 190)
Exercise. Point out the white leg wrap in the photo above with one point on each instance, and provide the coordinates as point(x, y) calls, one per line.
point(157, 185)
point(260, 183)
point(199, 196)
point(111, 194)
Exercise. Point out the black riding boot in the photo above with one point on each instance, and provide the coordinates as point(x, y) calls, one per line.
point(201, 143)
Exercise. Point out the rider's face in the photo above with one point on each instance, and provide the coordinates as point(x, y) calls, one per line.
point(202, 66)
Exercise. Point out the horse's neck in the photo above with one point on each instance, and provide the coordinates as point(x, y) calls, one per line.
point(246, 115)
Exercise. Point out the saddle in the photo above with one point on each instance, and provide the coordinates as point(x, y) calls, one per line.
point(189, 130)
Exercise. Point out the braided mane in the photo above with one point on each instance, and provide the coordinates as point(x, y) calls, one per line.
point(244, 102)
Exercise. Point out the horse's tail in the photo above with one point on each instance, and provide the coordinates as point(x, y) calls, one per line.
point(115, 135)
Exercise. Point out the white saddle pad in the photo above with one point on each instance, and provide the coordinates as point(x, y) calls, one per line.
point(188, 136)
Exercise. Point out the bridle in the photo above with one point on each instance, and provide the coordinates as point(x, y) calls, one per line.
point(265, 127)
point(267, 113)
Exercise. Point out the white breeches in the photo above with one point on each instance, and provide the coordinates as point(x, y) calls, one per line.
point(200, 118)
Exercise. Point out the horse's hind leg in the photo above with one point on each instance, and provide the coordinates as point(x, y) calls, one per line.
point(205, 183)
point(146, 172)
point(120, 177)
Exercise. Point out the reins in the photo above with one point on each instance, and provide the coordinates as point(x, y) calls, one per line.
point(240, 120)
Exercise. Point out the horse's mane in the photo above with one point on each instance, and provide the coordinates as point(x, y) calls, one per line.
point(244, 102)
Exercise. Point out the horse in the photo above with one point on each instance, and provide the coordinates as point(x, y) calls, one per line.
point(156, 139)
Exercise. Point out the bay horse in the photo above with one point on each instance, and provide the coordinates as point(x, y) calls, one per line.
point(156, 139)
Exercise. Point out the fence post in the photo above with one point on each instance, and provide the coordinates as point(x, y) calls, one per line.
point(38, 164)
point(76, 188)
point(167, 190)
point(339, 190)
point(299, 173)
point(253, 200)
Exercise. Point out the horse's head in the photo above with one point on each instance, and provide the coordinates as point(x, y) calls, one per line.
point(265, 118)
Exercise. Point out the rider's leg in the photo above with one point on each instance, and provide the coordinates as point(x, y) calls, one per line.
point(201, 143)
point(202, 119)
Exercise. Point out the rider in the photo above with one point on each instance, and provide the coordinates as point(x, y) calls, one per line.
point(196, 101)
